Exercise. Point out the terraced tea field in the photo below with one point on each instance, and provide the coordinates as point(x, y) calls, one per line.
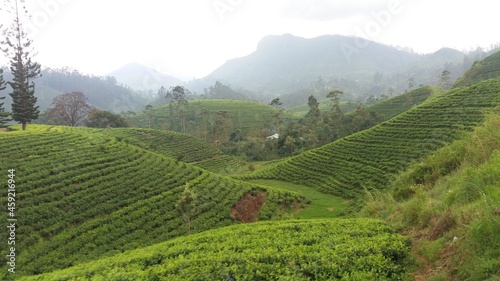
point(370, 159)
point(334, 249)
point(84, 194)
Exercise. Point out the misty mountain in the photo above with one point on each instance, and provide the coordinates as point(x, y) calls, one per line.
point(101, 92)
point(285, 64)
point(143, 79)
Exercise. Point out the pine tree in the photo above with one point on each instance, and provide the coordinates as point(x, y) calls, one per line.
point(4, 116)
point(17, 47)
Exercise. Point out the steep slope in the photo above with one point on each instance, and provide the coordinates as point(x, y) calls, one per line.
point(360, 249)
point(370, 159)
point(449, 205)
point(88, 194)
point(481, 70)
point(143, 78)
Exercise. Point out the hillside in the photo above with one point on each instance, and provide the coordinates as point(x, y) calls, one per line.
point(244, 115)
point(399, 104)
point(324, 106)
point(481, 70)
point(182, 147)
point(285, 250)
point(285, 64)
point(449, 205)
point(101, 92)
point(371, 158)
point(85, 194)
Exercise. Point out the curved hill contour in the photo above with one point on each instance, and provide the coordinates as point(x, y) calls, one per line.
point(347, 249)
point(481, 70)
point(369, 159)
point(83, 194)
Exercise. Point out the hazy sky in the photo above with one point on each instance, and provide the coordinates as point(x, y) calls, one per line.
point(190, 38)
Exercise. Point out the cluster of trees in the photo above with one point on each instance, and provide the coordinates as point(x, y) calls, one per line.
point(315, 129)
point(199, 122)
point(222, 91)
point(318, 128)
point(73, 109)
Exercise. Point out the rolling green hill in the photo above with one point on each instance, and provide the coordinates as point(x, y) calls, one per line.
point(244, 115)
point(399, 104)
point(371, 158)
point(82, 194)
point(182, 147)
point(345, 249)
point(324, 106)
point(481, 70)
point(387, 108)
point(449, 205)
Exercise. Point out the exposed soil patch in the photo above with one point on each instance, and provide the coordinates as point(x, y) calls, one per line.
point(441, 225)
point(3, 130)
point(330, 209)
point(249, 206)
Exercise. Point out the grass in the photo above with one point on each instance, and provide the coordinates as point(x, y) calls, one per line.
point(449, 205)
point(322, 205)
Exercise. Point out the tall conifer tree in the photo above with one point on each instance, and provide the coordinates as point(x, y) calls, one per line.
point(17, 46)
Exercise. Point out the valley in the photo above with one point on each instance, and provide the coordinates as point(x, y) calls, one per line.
point(386, 167)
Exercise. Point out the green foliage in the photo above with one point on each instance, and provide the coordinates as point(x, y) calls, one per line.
point(245, 115)
point(361, 249)
point(321, 205)
point(399, 104)
point(105, 119)
point(222, 164)
point(102, 92)
point(310, 133)
point(182, 147)
point(18, 48)
point(450, 205)
point(371, 158)
point(87, 193)
point(481, 70)
point(221, 91)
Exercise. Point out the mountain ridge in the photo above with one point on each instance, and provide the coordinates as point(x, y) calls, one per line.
point(284, 63)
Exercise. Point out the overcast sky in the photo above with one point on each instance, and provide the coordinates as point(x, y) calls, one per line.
point(191, 38)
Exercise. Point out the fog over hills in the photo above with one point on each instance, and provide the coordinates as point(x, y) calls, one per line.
point(282, 64)
point(144, 79)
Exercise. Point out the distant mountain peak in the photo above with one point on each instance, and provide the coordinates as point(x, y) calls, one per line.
point(143, 78)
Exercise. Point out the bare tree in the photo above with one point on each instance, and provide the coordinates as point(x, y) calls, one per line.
point(69, 109)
